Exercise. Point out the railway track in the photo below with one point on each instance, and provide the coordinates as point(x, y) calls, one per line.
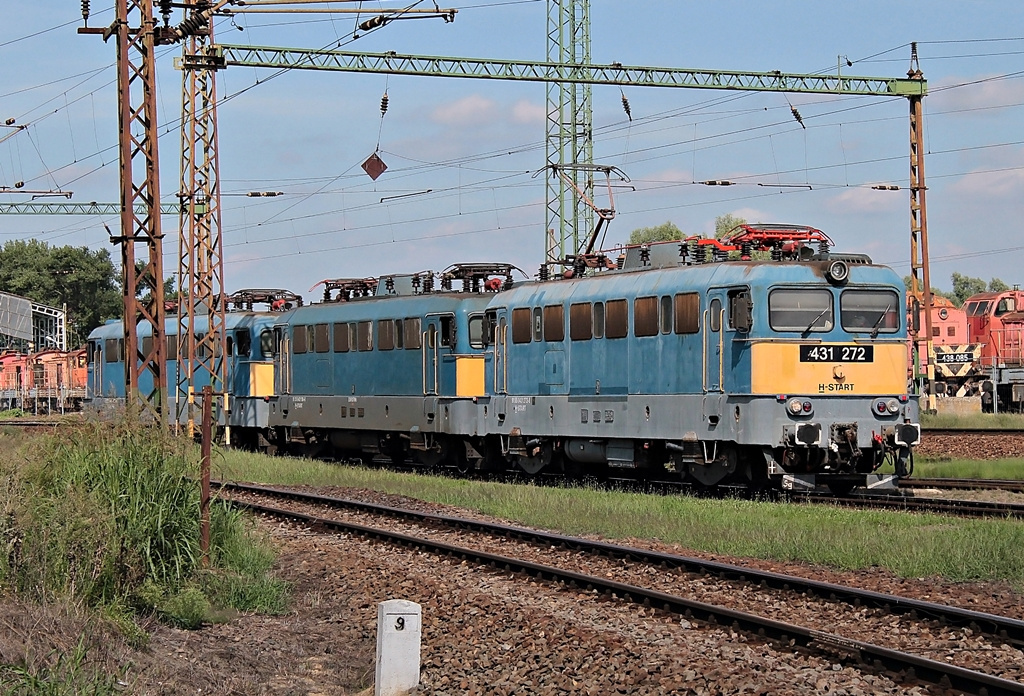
point(974, 432)
point(964, 484)
point(941, 506)
point(592, 564)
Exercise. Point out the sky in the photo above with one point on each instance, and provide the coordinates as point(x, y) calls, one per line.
point(463, 156)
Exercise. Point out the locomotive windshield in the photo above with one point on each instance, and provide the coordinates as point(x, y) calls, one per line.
point(800, 310)
point(869, 311)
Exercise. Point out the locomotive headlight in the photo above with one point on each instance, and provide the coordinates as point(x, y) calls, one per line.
point(795, 406)
point(892, 405)
point(837, 272)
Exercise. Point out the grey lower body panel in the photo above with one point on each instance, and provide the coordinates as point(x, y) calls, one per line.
point(745, 420)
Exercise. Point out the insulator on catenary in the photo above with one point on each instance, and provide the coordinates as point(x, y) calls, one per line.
point(85, 10)
point(625, 106)
point(384, 105)
point(797, 116)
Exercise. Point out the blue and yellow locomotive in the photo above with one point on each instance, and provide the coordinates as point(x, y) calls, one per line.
point(692, 360)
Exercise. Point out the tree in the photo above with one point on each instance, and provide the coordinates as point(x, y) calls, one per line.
point(84, 280)
point(996, 285)
point(724, 224)
point(965, 286)
point(666, 232)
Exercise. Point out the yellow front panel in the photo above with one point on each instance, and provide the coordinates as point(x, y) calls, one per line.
point(261, 379)
point(776, 369)
point(469, 375)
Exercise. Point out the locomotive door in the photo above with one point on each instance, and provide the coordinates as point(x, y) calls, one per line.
point(97, 371)
point(439, 340)
point(713, 325)
point(282, 361)
point(714, 344)
point(497, 321)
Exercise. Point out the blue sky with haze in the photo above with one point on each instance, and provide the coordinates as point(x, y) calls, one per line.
point(477, 145)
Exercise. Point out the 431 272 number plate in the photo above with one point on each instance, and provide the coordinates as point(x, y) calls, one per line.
point(837, 353)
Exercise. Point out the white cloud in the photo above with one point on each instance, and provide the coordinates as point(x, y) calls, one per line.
point(974, 94)
point(990, 185)
point(524, 111)
point(471, 110)
point(865, 200)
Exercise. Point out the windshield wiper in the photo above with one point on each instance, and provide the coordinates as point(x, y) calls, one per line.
point(815, 320)
point(878, 323)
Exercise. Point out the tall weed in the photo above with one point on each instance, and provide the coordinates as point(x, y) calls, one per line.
point(113, 508)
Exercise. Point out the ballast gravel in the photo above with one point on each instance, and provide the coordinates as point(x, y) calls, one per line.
point(531, 637)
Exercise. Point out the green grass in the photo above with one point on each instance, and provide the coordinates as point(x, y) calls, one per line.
point(927, 467)
point(909, 545)
point(108, 516)
point(989, 421)
point(62, 675)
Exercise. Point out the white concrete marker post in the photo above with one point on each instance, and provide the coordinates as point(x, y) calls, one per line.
point(399, 626)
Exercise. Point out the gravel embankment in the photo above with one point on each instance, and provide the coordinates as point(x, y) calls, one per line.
point(960, 646)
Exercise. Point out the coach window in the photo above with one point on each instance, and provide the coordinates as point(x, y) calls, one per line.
point(147, 345)
point(299, 340)
point(364, 336)
point(870, 311)
point(554, 323)
point(599, 320)
point(715, 312)
point(538, 326)
point(477, 335)
point(687, 311)
point(645, 316)
point(172, 347)
point(802, 310)
point(110, 350)
point(448, 331)
point(266, 343)
point(321, 339)
point(741, 310)
point(385, 335)
point(399, 334)
point(230, 341)
point(581, 321)
point(243, 342)
point(666, 314)
point(341, 338)
point(413, 334)
point(521, 325)
point(616, 318)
